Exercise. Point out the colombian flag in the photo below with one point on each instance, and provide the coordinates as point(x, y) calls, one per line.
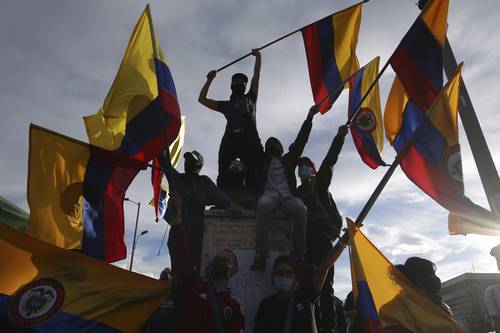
point(141, 107)
point(75, 194)
point(385, 298)
point(44, 288)
point(367, 128)
point(330, 45)
point(418, 60)
point(430, 153)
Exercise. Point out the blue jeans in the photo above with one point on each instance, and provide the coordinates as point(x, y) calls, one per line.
point(293, 208)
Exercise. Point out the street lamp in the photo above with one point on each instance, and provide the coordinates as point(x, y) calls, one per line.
point(138, 204)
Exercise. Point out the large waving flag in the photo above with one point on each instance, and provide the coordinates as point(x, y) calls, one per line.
point(75, 194)
point(367, 128)
point(431, 156)
point(141, 106)
point(385, 298)
point(160, 194)
point(418, 60)
point(44, 288)
point(330, 45)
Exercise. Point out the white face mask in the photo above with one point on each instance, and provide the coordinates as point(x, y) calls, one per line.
point(284, 284)
point(305, 171)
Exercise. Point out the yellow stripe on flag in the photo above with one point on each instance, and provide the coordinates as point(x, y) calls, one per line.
point(346, 28)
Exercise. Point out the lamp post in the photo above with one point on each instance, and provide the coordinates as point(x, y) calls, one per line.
point(138, 204)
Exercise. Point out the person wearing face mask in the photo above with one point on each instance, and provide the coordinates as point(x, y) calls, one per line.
point(196, 191)
point(278, 187)
point(323, 221)
point(291, 309)
point(241, 138)
point(205, 304)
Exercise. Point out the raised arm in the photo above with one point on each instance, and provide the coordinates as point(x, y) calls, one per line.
point(209, 103)
point(297, 147)
point(325, 171)
point(254, 86)
point(319, 276)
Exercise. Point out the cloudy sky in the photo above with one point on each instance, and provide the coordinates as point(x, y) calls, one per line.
point(58, 60)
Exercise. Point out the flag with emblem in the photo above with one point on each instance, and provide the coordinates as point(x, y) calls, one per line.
point(367, 127)
point(44, 288)
point(385, 298)
point(75, 194)
point(430, 153)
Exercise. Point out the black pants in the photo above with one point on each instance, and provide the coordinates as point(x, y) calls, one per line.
point(247, 148)
point(317, 245)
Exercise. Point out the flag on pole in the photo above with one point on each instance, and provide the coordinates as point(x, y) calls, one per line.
point(75, 194)
point(160, 194)
point(44, 288)
point(385, 298)
point(367, 128)
point(418, 60)
point(432, 160)
point(142, 102)
point(330, 45)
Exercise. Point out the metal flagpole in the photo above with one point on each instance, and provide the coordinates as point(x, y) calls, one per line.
point(285, 36)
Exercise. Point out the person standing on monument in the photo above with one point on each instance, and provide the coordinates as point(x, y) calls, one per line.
point(241, 138)
point(323, 221)
point(196, 191)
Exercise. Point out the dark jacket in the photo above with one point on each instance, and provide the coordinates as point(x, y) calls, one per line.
point(289, 160)
point(323, 214)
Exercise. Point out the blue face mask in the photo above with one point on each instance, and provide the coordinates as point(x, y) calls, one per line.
point(284, 284)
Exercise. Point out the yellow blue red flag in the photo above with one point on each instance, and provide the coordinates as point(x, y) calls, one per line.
point(418, 60)
point(330, 45)
point(75, 194)
point(44, 288)
point(385, 298)
point(430, 154)
point(367, 127)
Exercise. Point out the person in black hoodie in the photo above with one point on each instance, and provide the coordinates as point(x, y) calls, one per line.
point(323, 221)
point(277, 185)
point(241, 138)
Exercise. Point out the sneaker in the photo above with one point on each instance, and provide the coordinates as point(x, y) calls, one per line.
point(259, 264)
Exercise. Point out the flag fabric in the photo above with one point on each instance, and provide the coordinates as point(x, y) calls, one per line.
point(430, 154)
point(367, 127)
point(44, 288)
point(142, 102)
point(175, 150)
point(75, 194)
point(330, 45)
point(385, 298)
point(418, 59)
point(13, 215)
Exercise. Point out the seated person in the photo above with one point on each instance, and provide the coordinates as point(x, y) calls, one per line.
point(206, 305)
point(278, 187)
point(236, 187)
point(292, 308)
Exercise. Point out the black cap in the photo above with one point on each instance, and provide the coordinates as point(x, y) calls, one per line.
point(240, 76)
point(196, 157)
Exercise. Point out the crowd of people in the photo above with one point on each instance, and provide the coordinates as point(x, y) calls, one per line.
point(263, 178)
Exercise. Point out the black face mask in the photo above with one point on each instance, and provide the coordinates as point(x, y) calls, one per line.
point(238, 89)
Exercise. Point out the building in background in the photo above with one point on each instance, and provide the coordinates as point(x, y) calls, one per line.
point(465, 295)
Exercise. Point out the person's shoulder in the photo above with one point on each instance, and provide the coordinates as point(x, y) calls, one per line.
point(206, 179)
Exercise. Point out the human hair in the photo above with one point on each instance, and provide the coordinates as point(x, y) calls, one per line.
point(415, 266)
point(219, 268)
point(284, 259)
